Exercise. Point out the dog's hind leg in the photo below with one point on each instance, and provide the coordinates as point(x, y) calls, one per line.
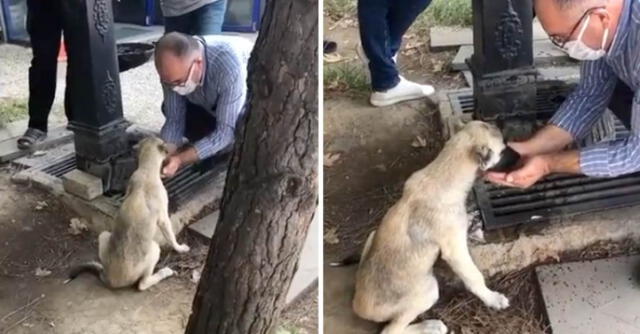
point(103, 245)
point(431, 297)
point(456, 252)
point(419, 302)
point(148, 277)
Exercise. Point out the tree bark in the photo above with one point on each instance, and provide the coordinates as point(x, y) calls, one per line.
point(271, 189)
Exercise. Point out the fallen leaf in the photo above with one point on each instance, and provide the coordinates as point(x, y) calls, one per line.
point(419, 142)
point(333, 58)
point(438, 66)
point(42, 272)
point(330, 159)
point(41, 205)
point(195, 276)
point(52, 324)
point(77, 226)
point(331, 236)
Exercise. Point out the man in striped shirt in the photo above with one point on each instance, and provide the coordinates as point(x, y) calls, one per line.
point(605, 35)
point(204, 83)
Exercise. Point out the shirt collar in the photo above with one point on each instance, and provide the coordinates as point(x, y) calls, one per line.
point(619, 40)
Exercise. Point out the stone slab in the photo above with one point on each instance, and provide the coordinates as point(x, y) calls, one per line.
point(563, 73)
point(13, 129)
point(444, 37)
point(593, 297)
point(82, 184)
point(308, 264)
point(9, 148)
point(544, 53)
point(206, 225)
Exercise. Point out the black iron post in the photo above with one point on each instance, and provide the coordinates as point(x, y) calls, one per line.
point(504, 78)
point(93, 95)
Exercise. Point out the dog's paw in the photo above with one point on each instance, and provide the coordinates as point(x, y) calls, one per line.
point(429, 327)
point(166, 272)
point(496, 300)
point(182, 248)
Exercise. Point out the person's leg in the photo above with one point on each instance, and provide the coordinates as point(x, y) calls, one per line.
point(621, 102)
point(180, 23)
point(208, 19)
point(45, 28)
point(374, 36)
point(401, 16)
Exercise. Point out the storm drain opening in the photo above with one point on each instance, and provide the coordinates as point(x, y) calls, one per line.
point(181, 188)
point(558, 195)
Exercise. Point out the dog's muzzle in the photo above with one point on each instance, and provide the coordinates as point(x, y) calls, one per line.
point(508, 159)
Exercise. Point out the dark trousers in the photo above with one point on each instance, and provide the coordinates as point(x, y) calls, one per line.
point(382, 25)
point(199, 123)
point(621, 103)
point(206, 20)
point(44, 24)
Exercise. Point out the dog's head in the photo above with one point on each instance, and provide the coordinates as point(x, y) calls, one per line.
point(487, 146)
point(151, 147)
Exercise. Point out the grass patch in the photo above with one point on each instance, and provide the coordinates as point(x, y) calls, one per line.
point(346, 78)
point(12, 110)
point(447, 13)
point(286, 329)
point(338, 9)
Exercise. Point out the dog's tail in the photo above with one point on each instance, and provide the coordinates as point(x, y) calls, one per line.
point(93, 267)
point(349, 260)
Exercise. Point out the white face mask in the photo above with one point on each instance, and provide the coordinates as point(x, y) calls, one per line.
point(188, 87)
point(578, 50)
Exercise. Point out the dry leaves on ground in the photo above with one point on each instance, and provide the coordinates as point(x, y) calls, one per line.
point(331, 236)
point(330, 159)
point(77, 226)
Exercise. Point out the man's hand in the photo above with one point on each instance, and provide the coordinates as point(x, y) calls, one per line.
point(171, 166)
point(183, 157)
point(533, 169)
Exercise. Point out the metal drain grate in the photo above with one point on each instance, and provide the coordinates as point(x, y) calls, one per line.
point(557, 196)
point(548, 99)
point(180, 188)
point(554, 197)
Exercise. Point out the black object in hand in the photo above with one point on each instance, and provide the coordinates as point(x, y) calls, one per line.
point(508, 159)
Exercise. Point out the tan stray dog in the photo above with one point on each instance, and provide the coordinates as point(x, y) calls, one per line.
point(394, 281)
point(128, 254)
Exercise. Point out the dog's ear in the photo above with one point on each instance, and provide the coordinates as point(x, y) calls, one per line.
point(482, 155)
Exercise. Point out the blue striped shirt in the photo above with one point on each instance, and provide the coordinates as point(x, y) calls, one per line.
point(587, 103)
point(223, 91)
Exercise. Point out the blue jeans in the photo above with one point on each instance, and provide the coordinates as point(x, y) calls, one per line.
point(206, 20)
point(382, 25)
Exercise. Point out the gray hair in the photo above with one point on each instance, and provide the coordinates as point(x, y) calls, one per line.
point(177, 44)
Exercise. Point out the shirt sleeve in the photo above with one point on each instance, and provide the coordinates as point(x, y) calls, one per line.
point(174, 108)
point(582, 109)
point(231, 99)
point(612, 158)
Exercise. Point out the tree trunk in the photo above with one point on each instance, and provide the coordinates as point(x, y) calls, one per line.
point(270, 195)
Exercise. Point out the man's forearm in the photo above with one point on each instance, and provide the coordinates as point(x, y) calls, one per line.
point(549, 139)
point(567, 162)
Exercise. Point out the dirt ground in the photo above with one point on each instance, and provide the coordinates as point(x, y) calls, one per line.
point(36, 249)
point(369, 153)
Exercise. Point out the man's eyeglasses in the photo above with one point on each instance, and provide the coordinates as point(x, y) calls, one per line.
point(561, 41)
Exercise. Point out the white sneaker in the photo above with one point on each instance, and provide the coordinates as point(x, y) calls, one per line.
point(405, 90)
